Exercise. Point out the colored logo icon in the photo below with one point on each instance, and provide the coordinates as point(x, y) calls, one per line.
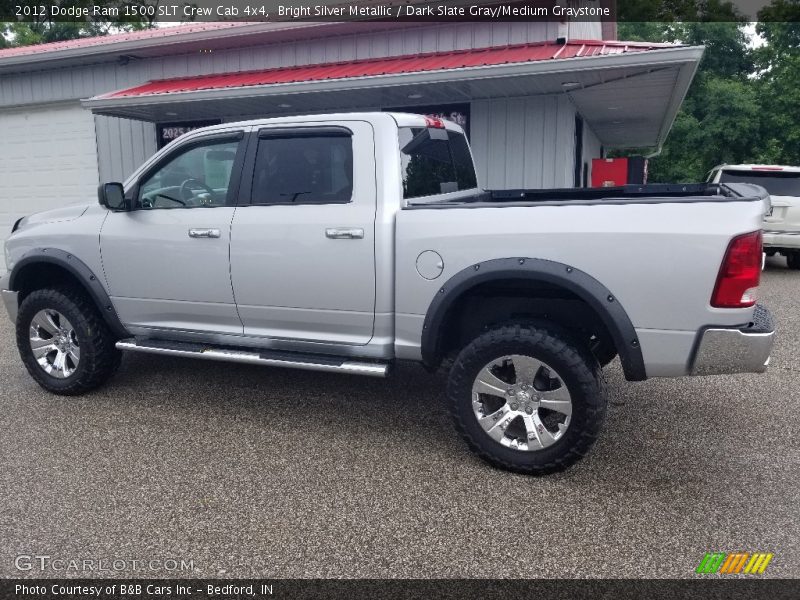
point(736, 562)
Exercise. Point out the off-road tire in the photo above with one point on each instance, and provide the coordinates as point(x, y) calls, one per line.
point(99, 357)
point(793, 260)
point(579, 371)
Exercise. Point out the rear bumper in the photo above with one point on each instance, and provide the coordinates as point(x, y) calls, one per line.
point(10, 299)
point(746, 350)
point(781, 239)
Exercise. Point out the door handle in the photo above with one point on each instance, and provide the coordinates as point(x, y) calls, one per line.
point(204, 233)
point(344, 233)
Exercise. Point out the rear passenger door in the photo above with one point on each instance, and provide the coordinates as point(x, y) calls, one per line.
point(303, 236)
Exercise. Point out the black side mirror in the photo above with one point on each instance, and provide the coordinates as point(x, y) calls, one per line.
point(112, 196)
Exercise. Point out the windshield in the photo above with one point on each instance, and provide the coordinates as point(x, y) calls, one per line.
point(434, 161)
point(776, 183)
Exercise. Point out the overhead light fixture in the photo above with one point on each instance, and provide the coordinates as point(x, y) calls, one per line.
point(284, 105)
point(614, 107)
point(616, 122)
point(568, 85)
point(171, 114)
point(415, 96)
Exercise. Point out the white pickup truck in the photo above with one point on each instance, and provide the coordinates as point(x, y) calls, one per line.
point(346, 242)
point(782, 222)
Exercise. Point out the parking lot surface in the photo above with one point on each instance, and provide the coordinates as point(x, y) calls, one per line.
point(256, 472)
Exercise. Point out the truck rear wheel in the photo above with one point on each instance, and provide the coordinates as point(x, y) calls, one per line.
point(526, 399)
point(64, 343)
point(793, 260)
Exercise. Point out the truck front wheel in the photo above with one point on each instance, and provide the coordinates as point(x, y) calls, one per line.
point(527, 399)
point(64, 343)
point(793, 260)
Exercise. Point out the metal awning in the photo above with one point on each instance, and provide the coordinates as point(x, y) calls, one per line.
point(628, 93)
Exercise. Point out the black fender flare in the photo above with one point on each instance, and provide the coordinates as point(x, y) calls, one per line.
point(78, 269)
point(580, 283)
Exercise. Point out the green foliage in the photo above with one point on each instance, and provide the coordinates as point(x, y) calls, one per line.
point(744, 104)
point(778, 61)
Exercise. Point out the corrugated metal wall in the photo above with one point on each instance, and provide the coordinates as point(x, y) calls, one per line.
point(524, 142)
point(123, 145)
point(592, 148)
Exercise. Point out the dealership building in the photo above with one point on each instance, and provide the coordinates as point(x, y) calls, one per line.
point(539, 100)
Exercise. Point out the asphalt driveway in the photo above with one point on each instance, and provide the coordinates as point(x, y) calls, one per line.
point(253, 472)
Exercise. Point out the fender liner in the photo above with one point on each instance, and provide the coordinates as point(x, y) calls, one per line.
point(580, 283)
point(82, 273)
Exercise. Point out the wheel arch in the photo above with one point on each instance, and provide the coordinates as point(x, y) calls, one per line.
point(580, 284)
point(42, 265)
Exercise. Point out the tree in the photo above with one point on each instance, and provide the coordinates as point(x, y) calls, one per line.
point(719, 120)
point(778, 61)
point(42, 28)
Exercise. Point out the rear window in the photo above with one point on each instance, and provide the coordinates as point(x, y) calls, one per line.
point(776, 183)
point(434, 161)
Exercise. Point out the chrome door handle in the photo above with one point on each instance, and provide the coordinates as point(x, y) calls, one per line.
point(204, 233)
point(344, 233)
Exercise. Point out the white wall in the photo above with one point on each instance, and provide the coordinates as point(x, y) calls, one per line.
point(123, 146)
point(524, 142)
point(591, 149)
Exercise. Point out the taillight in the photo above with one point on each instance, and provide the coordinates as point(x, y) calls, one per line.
point(434, 123)
point(740, 273)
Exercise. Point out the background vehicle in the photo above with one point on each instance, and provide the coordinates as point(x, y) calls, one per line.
point(345, 242)
point(782, 223)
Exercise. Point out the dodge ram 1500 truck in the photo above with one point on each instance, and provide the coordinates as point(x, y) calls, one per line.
point(346, 242)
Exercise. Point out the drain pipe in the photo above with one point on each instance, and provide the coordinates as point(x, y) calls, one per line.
point(654, 154)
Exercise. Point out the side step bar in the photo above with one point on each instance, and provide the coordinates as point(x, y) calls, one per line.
point(271, 358)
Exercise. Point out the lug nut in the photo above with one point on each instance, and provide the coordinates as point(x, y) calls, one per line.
point(529, 410)
point(514, 406)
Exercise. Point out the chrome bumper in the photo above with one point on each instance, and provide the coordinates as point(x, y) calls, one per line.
point(745, 350)
point(9, 298)
point(781, 239)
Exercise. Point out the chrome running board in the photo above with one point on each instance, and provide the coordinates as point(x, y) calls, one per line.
point(270, 358)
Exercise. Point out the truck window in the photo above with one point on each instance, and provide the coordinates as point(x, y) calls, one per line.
point(197, 177)
point(306, 169)
point(776, 183)
point(431, 165)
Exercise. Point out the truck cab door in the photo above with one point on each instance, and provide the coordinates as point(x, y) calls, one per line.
point(166, 259)
point(303, 237)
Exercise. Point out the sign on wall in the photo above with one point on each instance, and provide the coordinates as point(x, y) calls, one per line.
point(168, 132)
point(457, 113)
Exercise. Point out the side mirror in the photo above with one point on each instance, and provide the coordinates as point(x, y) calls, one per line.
point(112, 196)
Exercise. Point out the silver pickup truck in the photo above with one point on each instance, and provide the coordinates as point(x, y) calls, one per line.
point(346, 242)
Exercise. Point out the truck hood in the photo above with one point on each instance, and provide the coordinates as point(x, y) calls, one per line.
point(68, 213)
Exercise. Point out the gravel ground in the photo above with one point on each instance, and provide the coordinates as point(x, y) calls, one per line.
point(257, 472)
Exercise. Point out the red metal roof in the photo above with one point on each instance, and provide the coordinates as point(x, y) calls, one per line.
point(107, 40)
point(479, 57)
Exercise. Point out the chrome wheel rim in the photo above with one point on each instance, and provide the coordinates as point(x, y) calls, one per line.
point(521, 403)
point(54, 343)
